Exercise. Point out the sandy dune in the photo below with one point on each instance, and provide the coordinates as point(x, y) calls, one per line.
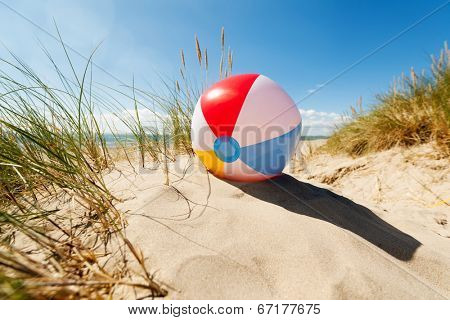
point(290, 238)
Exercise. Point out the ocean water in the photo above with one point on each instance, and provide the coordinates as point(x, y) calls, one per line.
point(112, 139)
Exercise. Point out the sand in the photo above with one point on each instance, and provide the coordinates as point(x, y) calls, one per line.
point(330, 228)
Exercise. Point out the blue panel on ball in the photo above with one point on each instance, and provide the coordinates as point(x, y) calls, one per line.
point(270, 157)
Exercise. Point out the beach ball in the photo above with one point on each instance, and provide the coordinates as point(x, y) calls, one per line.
point(245, 128)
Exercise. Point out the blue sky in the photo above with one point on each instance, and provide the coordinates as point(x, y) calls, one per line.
point(299, 44)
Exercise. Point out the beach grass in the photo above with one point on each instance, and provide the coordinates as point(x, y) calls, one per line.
point(175, 105)
point(59, 224)
point(61, 233)
point(416, 110)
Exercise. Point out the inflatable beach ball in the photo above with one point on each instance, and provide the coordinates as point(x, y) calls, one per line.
point(245, 128)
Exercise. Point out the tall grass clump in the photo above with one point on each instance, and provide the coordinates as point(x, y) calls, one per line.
point(416, 110)
point(181, 97)
point(173, 106)
point(61, 235)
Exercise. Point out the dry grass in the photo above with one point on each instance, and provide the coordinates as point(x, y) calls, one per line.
point(60, 231)
point(61, 234)
point(174, 106)
point(416, 110)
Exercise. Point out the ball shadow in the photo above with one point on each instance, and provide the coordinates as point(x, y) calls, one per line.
point(319, 203)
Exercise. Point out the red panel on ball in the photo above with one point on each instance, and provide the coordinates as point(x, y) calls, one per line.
point(222, 102)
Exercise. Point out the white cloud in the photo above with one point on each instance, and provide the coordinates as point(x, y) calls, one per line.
point(317, 123)
point(116, 121)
